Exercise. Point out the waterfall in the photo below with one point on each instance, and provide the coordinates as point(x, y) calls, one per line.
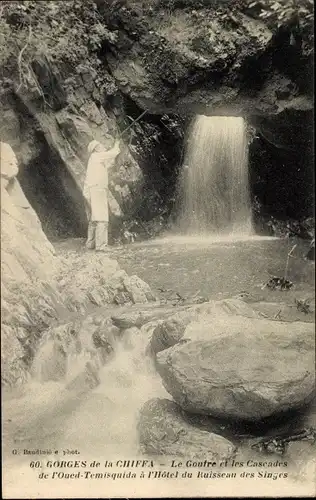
point(213, 185)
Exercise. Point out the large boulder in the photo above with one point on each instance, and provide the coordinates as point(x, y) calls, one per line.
point(163, 430)
point(241, 368)
point(183, 324)
point(226, 307)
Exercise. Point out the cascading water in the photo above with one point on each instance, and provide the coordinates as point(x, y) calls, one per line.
point(214, 186)
point(100, 420)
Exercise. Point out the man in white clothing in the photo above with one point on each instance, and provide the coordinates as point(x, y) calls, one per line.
point(96, 193)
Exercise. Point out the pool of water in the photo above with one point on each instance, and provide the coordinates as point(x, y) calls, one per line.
point(219, 267)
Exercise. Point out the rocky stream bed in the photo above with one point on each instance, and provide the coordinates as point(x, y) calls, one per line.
point(216, 378)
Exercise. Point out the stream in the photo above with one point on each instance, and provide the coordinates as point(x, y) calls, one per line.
point(215, 268)
point(102, 423)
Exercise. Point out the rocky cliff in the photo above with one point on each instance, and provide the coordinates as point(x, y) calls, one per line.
point(72, 71)
point(239, 57)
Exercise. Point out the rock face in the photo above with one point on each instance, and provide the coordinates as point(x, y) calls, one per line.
point(204, 56)
point(242, 369)
point(20, 227)
point(39, 288)
point(163, 431)
point(65, 136)
point(179, 58)
point(27, 259)
point(242, 58)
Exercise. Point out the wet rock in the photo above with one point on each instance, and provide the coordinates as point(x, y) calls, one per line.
point(13, 361)
point(130, 319)
point(51, 362)
point(163, 430)
point(27, 266)
point(146, 332)
point(166, 334)
point(97, 337)
point(220, 375)
point(230, 307)
point(86, 380)
point(281, 311)
point(139, 291)
point(107, 333)
point(122, 298)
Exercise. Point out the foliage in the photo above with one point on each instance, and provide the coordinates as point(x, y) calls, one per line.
point(296, 13)
point(72, 31)
point(69, 32)
point(282, 10)
point(268, 10)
